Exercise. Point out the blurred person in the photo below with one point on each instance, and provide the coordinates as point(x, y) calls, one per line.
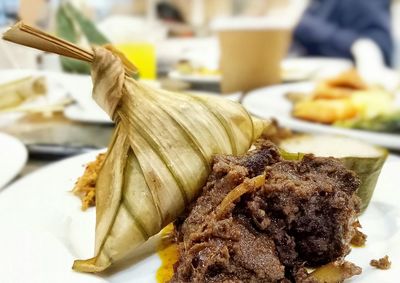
point(331, 27)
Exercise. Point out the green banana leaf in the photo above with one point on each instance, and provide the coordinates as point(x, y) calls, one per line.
point(367, 169)
point(71, 25)
point(386, 123)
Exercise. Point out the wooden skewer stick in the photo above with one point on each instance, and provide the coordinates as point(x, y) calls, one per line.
point(29, 36)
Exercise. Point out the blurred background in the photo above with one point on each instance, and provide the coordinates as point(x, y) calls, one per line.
point(224, 47)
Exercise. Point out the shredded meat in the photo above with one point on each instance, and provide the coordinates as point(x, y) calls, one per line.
point(359, 238)
point(301, 216)
point(382, 263)
point(85, 187)
point(276, 133)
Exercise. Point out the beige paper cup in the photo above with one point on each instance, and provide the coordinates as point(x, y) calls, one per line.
point(250, 54)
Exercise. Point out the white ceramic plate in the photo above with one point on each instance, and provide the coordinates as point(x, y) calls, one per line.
point(13, 156)
point(271, 102)
point(312, 68)
point(293, 69)
point(85, 109)
point(75, 112)
point(195, 78)
point(56, 92)
point(44, 230)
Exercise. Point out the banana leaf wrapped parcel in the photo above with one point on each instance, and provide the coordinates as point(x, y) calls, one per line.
point(161, 151)
point(159, 157)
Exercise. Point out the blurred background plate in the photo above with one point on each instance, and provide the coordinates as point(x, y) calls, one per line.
point(311, 68)
point(57, 93)
point(90, 112)
point(85, 109)
point(195, 78)
point(293, 69)
point(78, 113)
point(270, 102)
point(13, 156)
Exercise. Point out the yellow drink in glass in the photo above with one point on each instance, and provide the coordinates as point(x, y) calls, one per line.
point(142, 55)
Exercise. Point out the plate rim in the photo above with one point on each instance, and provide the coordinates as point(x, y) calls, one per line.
point(20, 164)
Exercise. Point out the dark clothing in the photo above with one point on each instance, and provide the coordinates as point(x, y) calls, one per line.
point(330, 27)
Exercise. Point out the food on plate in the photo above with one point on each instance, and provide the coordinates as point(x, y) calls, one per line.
point(261, 218)
point(325, 110)
point(382, 263)
point(364, 159)
point(14, 93)
point(347, 101)
point(85, 187)
point(160, 153)
point(275, 133)
point(167, 250)
point(389, 123)
point(159, 156)
point(334, 272)
point(359, 239)
point(185, 67)
point(341, 86)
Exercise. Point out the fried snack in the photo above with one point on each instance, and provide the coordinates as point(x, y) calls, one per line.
point(324, 111)
point(350, 80)
point(325, 91)
point(341, 86)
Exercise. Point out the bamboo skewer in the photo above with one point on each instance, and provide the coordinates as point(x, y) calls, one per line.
point(23, 34)
point(29, 36)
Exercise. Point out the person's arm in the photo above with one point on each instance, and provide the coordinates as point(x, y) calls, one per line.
point(320, 36)
point(371, 20)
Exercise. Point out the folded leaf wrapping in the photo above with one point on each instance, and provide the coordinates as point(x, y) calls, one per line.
point(159, 157)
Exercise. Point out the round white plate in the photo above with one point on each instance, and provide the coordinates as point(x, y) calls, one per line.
point(195, 78)
point(293, 69)
point(13, 156)
point(56, 91)
point(312, 68)
point(271, 102)
point(44, 230)
point(77, 113)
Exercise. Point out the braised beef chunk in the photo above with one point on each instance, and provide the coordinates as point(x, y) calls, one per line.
point(308, 206)
point(302, 215)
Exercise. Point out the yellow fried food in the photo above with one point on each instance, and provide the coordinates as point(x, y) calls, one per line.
point(349, 79)
point(341, 86)
point(324, 91)
point(325, 111)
